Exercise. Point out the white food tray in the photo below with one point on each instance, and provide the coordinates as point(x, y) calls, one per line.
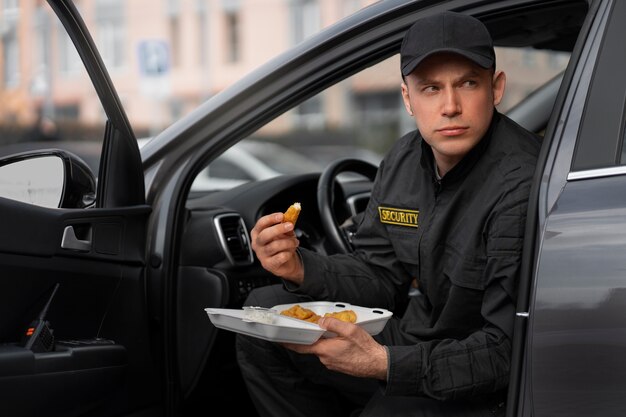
point(291, 330)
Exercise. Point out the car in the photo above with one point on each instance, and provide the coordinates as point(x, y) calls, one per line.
point(102, 297)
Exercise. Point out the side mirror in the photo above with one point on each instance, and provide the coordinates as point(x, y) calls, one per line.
point(48, 178)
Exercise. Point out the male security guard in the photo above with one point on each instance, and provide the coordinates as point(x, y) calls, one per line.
point(447, 210)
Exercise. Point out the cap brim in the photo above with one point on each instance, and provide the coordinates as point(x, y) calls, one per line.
point(481, 60)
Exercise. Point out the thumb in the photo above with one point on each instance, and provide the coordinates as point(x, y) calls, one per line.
point(341, 328)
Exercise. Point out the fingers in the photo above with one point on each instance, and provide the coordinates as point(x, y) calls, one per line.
point(264, 223)
point(275, 244)
point(268, 229)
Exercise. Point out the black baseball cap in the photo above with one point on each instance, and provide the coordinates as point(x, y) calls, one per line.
point(446, 32)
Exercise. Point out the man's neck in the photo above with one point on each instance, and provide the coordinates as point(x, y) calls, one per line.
point(443, 165)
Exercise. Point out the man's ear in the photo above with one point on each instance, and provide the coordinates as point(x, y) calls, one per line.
point(499, 85)
point(406, 98)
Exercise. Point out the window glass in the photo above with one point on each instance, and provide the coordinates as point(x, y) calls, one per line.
point(364, 115)
point(40, 105)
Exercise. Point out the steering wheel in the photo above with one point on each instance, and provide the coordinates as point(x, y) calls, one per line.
point(326, 194)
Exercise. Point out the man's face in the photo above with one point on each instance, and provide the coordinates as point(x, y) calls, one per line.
point(452, 101)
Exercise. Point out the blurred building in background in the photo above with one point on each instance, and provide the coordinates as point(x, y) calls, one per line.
point(168, 56)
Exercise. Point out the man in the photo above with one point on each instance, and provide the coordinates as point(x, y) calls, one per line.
point(466, 172)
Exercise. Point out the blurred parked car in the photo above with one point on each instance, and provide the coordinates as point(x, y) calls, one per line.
point(117, 289)
point(248, 161)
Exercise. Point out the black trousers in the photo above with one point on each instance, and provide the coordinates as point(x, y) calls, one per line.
point(284, 383)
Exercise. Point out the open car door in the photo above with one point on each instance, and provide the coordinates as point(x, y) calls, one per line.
point(74, 327)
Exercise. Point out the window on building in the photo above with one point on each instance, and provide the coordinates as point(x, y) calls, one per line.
point(67, 112)
point(10, 55)
point(233, 46)
point(69, 60)
point(42, 47)
point(310, 114)
point(203, 32)
point(305, 19)
point(10, 45)
point(529, 58)
point(177, 108)
point(111, 32)
point(378, 107)
point(173, 21)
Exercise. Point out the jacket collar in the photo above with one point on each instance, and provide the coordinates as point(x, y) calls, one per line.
point(461, 169)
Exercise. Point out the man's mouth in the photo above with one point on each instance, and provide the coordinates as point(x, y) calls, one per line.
point(452, 130)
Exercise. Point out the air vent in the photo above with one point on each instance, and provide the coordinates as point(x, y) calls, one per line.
point(234, 238)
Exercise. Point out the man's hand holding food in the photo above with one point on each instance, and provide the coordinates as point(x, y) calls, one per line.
point(353, 351)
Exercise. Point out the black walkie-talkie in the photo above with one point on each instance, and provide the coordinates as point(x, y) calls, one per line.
point(39, 337)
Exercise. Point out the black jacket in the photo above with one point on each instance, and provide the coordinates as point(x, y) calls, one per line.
point(461, 239)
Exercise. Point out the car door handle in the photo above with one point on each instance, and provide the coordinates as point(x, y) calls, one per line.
point(71, 242)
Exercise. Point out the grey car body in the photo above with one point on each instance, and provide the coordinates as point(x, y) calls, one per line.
point(131, 306)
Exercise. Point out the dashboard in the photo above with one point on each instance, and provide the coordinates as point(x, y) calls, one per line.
point(217, 232)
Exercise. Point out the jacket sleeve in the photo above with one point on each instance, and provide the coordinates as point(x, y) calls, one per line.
point(450, 369)
point(372, 276)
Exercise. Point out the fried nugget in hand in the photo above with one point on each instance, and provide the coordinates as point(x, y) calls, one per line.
point(291, 215)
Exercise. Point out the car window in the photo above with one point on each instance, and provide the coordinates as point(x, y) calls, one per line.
point(363, 115)
point(48, 100)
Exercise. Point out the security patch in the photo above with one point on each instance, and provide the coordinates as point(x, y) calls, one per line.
point(397, 216)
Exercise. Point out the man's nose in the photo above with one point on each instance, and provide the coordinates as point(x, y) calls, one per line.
point(451, 104)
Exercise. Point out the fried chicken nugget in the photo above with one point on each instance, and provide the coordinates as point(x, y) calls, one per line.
point(344, 315)
point(298, 312)
point(301, 313)
point(292, 213)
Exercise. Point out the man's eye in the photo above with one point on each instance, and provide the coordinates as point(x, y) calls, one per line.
point(430, 89)
point(469, 83)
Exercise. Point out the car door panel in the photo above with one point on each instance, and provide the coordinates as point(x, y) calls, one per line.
point(99, 297)
point(578, 318)
point(197, 289)
point(71, 381)
point(40, 231)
